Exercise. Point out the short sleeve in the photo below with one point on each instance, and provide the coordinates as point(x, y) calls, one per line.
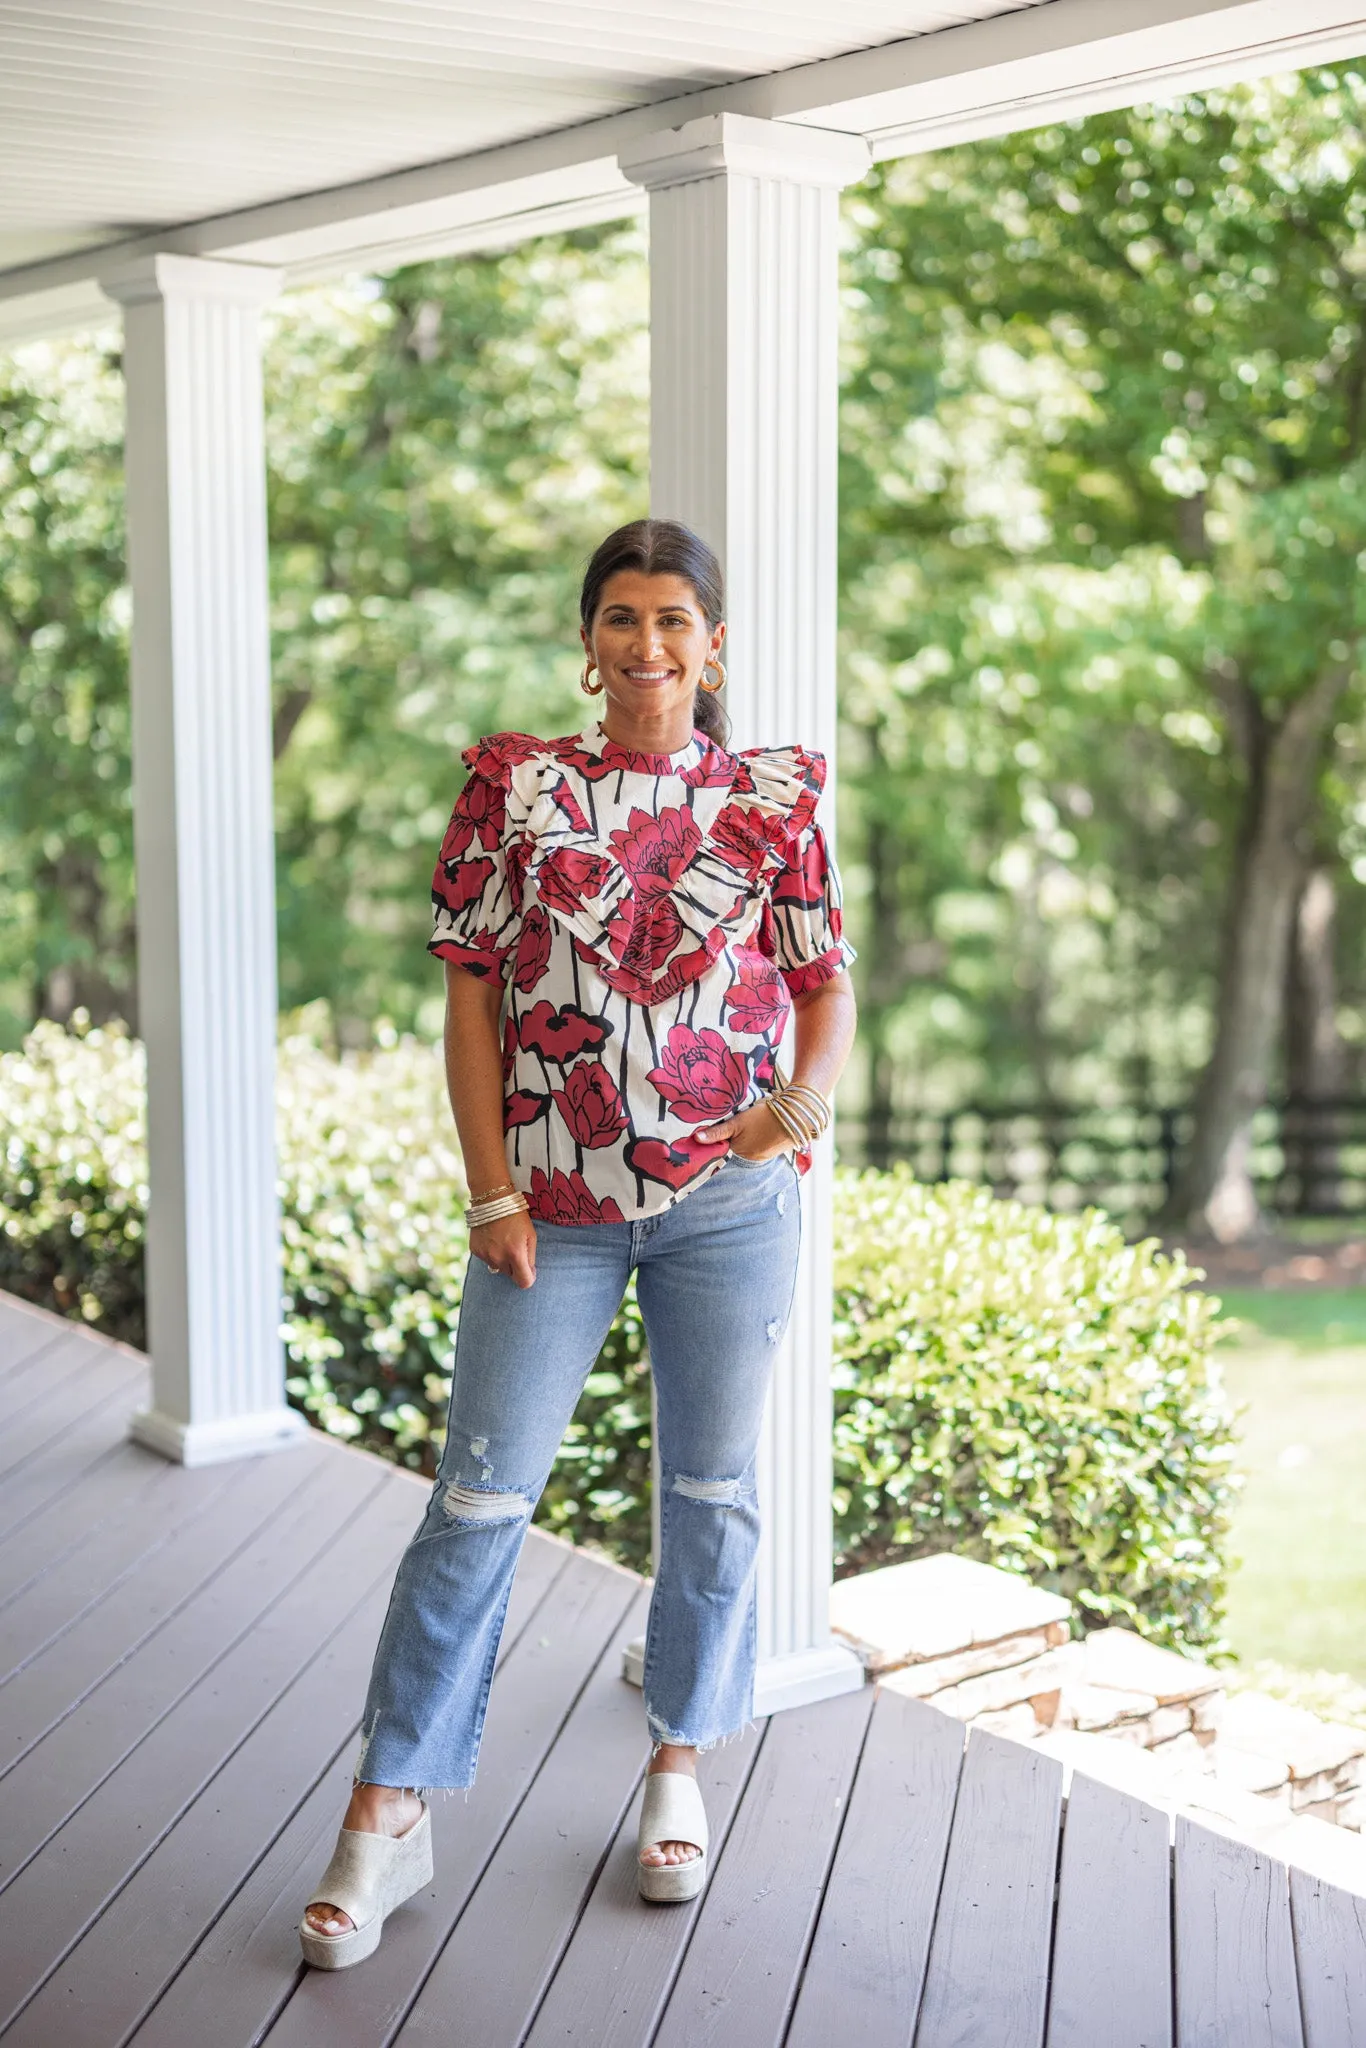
point(475, 918)
point(804, 926)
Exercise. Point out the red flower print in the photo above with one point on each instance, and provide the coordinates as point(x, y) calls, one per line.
point(515, 858)
point(814, 973)
point(523, 1107)
point(590, 1105)
point(480, 809)
point(509, 1049)
point(533, 951)
point(567, 879)
point(569, 806)
point(747, 836)
point(565, 1198)
point(481, 956)
point(462, 882)
point(803, 879)
point(643, 934)
point(561, 1035)
point(758, 1000)
point(495, 757)
point(675, 1165)
point(591, 767)
point(655, 851)
point(699, 1076)
point(716, 770)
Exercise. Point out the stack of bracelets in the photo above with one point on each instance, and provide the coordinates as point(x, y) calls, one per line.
point(803, 1114)
point(494, 1205)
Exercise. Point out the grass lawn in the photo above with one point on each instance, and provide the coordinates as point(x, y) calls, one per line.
point(1299, 1371)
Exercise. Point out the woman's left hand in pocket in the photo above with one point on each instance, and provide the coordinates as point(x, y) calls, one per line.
point(753, 1134)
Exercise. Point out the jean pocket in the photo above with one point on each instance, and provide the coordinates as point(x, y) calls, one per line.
point(753, 1165)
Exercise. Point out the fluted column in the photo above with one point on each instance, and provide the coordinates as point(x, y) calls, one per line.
point(204, 845)
point(744, 303)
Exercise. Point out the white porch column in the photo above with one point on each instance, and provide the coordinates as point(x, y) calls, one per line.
point(744, 383)
point(204, 842)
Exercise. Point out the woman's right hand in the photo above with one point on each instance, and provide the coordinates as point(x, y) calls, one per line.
point(508, 1246)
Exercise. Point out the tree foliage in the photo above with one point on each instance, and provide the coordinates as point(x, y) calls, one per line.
point(1102, 506)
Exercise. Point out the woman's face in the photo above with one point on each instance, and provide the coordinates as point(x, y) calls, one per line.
point(650, 639)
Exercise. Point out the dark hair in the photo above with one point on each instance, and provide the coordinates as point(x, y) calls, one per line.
point(661, 547)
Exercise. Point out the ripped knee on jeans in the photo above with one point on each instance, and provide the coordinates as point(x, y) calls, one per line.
point(473, 1507)
point(720, 1493)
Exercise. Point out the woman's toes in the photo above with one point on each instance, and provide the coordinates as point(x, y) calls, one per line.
point(326, 1919)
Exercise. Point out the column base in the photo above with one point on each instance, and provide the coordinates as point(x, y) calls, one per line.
point(210, 1443)
point(797, 1679)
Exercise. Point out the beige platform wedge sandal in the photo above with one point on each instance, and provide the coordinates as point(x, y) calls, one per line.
point(369, 1876)
point(672, 1811)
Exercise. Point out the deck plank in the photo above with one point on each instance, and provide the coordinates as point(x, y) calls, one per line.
point(616, 1974)
point(95, 1996)
point(987, 1978)
point(87, 1860)
point(744, 1962)
point(236, 1978)
point(79, 1379)
point(23, 1329)
point(532, 1893)
point(63, 1519)
point(93, 1439)
point(24, 1338)
point(866, 1970)
point(149, 1635)
point(1235, 1962)
point(536, 1690)
point(70, 1762)
point(1329, 1926)
point(54, 1575)
point(46, 1381)
point(1112, 1950)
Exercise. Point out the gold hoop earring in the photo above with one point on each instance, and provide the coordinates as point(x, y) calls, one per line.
point(589, 689)
point(712, 688)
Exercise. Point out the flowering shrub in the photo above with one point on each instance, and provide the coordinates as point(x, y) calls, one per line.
point(1023, 1388)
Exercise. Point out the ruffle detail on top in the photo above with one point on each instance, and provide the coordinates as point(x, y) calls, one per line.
point(651, 906)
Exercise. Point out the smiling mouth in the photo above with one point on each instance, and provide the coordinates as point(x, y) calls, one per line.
point(649, 675)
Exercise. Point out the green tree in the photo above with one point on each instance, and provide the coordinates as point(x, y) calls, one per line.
point(66, 938)
point(1154, 320)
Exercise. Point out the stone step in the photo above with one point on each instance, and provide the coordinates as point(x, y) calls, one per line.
point(955, 1619)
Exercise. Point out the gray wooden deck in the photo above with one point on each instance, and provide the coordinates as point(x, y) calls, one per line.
point(182, 1658)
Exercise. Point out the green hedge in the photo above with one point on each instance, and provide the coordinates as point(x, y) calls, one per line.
point(1023, 1388)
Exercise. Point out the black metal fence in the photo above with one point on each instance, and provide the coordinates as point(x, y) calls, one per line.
point(1308, 1157)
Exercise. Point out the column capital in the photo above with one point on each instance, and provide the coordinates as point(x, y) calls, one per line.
point(165, 276)
point(741, 145)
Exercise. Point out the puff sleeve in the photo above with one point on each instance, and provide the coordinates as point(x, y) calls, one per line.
point(475, 918)
point(804, 926)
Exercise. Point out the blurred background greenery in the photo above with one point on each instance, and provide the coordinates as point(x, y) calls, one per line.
point(1103, 513)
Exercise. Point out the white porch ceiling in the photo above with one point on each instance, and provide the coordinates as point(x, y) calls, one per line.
point(117, 116)
point(327, 135)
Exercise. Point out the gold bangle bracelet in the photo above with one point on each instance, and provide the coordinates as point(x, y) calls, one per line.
point(495, 1210)
point(812, 1098)
point(799, 1137)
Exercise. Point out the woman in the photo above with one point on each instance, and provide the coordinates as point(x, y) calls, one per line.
point(627, 918)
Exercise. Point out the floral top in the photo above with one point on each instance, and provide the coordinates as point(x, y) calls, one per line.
point(650, 917)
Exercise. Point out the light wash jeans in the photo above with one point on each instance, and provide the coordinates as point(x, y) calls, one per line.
point(715, 1282)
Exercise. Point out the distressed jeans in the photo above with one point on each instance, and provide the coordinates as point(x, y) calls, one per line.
point(715, 1276)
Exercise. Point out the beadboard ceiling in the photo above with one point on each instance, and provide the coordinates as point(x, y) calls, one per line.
point(118, 116)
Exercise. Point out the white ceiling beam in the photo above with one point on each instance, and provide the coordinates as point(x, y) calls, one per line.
point(1065, 58)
